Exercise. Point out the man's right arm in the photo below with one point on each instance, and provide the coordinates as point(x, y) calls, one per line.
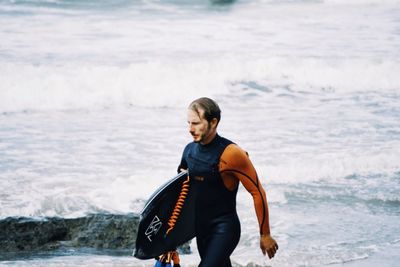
point(183, 165)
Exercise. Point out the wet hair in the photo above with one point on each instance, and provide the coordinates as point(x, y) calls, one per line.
point(210, 107)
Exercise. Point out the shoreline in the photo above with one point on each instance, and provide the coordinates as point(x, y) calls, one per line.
point(186, 261)
point(108, 240)
point(387, 257)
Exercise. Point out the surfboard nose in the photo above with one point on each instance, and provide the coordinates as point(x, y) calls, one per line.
point(139, 254)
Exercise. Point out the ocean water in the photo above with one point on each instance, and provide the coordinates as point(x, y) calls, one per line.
point(93, 98)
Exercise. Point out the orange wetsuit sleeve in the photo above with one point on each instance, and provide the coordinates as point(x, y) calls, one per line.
point(236, 166)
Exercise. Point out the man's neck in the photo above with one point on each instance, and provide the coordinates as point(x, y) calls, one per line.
point(209, 138)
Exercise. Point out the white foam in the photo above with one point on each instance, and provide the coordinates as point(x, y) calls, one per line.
point(330, 168)
point(150, 59)
point(363, 2)
point(160, 84)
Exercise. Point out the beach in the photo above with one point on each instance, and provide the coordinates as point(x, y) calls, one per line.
point(93, 100)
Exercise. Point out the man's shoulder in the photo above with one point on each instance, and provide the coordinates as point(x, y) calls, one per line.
point(225, 140)
point(233, 157)
point(233, 151)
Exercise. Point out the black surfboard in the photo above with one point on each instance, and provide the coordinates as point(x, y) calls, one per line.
point(167, 219)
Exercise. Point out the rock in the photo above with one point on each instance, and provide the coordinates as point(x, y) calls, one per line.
point(103, 231)
point(94, 231)
point(98, 231)
point(20, 233)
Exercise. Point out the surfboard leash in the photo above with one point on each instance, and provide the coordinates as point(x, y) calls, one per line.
point(178, 206)
point(168, 259)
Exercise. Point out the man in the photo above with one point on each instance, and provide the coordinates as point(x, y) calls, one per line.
point(216, 166)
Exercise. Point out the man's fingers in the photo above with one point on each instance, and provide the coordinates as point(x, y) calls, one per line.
point(269, 249)
point(264, 251)
point(271, 252)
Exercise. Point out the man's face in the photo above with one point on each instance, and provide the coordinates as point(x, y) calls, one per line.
point(199, 127)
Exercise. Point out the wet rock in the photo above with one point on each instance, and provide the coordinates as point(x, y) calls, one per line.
point(98, 231)
point(20, 233)
point(95, 231)
point(103, 231)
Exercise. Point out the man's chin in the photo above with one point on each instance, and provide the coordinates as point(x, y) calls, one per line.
point(196, 139)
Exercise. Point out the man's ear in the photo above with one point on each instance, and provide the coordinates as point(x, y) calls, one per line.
point(214, 123)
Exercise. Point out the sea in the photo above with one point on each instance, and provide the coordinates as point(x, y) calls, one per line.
point(93, 106)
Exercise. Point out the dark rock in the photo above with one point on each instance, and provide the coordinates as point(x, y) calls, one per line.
point(97, 231)
point(108, 231)
point(20, 233)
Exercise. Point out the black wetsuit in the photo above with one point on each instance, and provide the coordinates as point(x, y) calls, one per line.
point(217, 223)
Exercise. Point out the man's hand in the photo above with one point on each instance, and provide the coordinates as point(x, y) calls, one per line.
point(268, 245)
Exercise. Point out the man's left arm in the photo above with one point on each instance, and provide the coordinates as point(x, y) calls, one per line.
point(236, 163)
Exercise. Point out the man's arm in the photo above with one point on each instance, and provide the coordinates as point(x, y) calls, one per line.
point(235, 165)
point(183, 164)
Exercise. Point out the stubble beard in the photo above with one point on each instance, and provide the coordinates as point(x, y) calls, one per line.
point(204, 135)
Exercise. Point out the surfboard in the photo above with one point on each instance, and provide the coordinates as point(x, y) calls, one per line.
point(167, 219)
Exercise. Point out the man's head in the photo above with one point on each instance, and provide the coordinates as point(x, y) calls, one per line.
point(203, 118)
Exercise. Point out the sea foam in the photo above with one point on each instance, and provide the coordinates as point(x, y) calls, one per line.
point(158, 84)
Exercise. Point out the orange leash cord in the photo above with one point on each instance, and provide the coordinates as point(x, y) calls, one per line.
point(178, 206)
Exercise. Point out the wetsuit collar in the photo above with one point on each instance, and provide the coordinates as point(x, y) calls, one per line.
point(216, 137)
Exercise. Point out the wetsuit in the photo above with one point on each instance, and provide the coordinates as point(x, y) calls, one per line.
point(215, 170)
